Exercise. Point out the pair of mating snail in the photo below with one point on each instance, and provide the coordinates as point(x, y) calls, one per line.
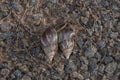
point(51, 39)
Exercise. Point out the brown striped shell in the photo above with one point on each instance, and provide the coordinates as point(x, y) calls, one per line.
point(66, 42)
point(49, 42)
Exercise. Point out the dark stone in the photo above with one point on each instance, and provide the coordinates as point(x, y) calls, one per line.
point(84, 20)
point(26, 78)
point(114, 35)
point(115, 6)
point(18, 8)
point(69, 9)
point(5, 26)
point(118, 66)
point(108, 60)
point(3, 65)
point(70, 67)
point(17, 74)
point(85, 75)
point(101, 68)
point(83, 60)
point(84, 67)
point(111, 67)
point(4, 72)
point(92, 64)
point(34, 78)
point(80, 42)
point(89, 53)
point(33, 2)
point(104, 3)
point(102, 43)
point(117, 58)
point(97, 26)
point(98, 56)
point(4, 35)
point(35, 50)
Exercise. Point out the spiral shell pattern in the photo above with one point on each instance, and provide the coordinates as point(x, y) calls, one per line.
point(66, 41)
point(49, 42)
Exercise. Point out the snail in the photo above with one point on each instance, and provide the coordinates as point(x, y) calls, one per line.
point(49, 42)
point(66, 41)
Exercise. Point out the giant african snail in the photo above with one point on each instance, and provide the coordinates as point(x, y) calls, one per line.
point(49, 42)
point(66, 41)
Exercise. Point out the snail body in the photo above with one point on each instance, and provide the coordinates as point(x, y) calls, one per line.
point(49, 42)
point(66, 41)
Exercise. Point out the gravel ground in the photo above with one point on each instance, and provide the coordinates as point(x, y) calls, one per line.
point(96, 54)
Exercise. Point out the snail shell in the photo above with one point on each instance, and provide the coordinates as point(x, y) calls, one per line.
point(66, 41)
point(49, 42)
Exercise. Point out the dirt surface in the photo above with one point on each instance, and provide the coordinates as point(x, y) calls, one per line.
point(96, 53)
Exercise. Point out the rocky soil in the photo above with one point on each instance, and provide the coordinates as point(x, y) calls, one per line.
point(96, 54)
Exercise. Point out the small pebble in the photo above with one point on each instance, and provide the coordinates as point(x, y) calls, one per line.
point(84, 20)
point(101, 43)
point(5, 72)
point(70, 66)
point(84, 67)
point(115, 6)
point(18, 8)
point(80, 43)
point(85, 74)
point(114, 35)
point(98, 56)
point(108, 60)
point(101, 68)
point(17, 74)
point(26, 78)
point(89, 53)
point(33, 2)
point(4, 35)
point(104, 3)
point(5, 26)
point(111, 67)
point(83, 60)
point(118, 66)
point(34, 51)
point(92, 64)
point(77, 75)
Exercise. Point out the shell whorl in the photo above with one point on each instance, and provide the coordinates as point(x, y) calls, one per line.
point(49, 42)
point(66, 42)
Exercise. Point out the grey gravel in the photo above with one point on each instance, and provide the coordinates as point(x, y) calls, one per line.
point(114, 35)
point(95, 55)
point(86, 75)
point(4, 35)
point(17, 74)
point(104, 3)
point(26, 78)
point(101, 43)
point(118, 66)
point(101, 68)
point(70, 66)
point(111, 67)
point(98, 56)
point(84, 60)
point(92, 64)
point(84, 20)
point(108, 60)
point(77, 75)
point(5, 26)
point(33, 2)
point(5, 72)
point(80, 42)
point(89, 53)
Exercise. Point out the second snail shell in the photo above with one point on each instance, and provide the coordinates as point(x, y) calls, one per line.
point(66, 41)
